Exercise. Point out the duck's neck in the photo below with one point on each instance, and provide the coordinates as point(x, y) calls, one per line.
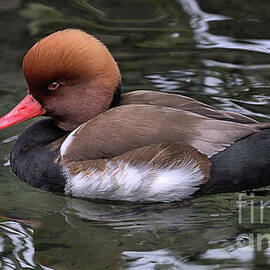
point(33, 159)
point(116, 96)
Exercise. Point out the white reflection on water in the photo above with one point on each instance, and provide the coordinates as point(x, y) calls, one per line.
point(212, 63)
point(157, 259)
point(136, 218)
point(199, 23)
point(234, 106)
point(218, 85)
point(166, 259)
point(244, 254)
point(16, 247)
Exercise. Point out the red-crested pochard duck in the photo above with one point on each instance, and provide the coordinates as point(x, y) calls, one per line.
point(140, 146)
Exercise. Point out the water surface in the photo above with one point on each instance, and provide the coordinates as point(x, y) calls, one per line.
point(216, 51)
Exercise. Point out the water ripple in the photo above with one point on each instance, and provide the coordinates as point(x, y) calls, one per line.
point(199, 22)
point(16, 247)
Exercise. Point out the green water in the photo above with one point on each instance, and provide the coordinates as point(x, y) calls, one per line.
point(217, 51)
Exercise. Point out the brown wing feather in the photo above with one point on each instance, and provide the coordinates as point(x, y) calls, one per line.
point(183, 103)
point(128, 127)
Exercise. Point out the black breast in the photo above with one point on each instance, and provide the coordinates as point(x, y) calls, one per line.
point(33, 161)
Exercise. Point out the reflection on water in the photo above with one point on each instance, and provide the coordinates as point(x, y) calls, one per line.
point(199, 22)
point(149, 260)
point(215, 51)
point(16, 247)
point(202, 235)
point(222, 87)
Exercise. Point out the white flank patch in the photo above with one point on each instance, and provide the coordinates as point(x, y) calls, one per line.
point(121, 181)
point(69, 140)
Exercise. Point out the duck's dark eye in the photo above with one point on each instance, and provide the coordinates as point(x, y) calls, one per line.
point(53, 86)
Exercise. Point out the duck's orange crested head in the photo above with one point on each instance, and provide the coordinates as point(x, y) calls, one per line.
point(71, 75)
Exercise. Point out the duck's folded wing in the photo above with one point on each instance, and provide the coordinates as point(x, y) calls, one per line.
point(183, 103)
point(128, 127)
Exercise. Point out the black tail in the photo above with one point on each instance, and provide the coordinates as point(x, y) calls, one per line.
point(243, 166)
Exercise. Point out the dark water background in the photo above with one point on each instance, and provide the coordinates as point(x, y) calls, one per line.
point(217, 51)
